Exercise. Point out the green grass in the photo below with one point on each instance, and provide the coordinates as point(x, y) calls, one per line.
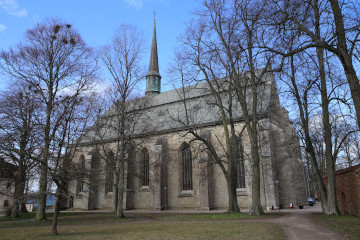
point(31, 215)
point(26, 219)
point(347, 225)
point(142, 226)
point(23, 216)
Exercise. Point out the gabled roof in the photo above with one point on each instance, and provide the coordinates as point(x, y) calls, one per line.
point(165, 112)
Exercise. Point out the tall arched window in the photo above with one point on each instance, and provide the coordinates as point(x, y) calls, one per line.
point(240, 183)
point(109, 178)
point(186, 165)
point(81, 175)
point(145, 167)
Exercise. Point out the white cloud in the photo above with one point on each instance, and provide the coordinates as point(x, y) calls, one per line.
point(135, 3)
point(12, 7)
point(2, 27)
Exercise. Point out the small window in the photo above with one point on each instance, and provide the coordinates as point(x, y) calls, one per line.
point(81, 175)
point(240, 183)
point(186, 162)
point(6, 203)
point(109, 174)
point(109, 181)
point(145, 174)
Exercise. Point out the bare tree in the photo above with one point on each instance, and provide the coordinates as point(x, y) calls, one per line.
point(350, 154)
point(122, 61)
point(309, 30)
point(61, 169)
point(54, 60)
point(326, 25)
point(18, 136)
point(226, 157)
point(221, 45)
point(347, 32)
point(306, 88)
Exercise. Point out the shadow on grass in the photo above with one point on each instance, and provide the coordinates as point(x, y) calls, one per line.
point(65, 218)
point(200, 230)
point(213, 216)
point(100, 225)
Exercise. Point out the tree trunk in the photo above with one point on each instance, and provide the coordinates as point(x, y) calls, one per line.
point(345, 57)
point(20, 179)
point(115, 188)
point(121, 162)
point(18, 198)
point(19, 191)
point(120, 207)
point(233, 205)
point(40, 215)
point(309, 147)
point(232, 165)
point(256, 207)
point(56, 213)
point(231, 184)
point(15, 208)
point(331, 206)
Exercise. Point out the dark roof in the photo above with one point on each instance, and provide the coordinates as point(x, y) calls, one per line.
point(7, 170)
point(165, 112)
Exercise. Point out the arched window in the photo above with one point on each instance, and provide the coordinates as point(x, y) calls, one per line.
point(186, 165)
point(81, 175)
point(145, 167)
point(240, 183)
point(109, 178)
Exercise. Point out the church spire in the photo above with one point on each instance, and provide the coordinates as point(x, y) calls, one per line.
point(153, 77)
point(154, 62)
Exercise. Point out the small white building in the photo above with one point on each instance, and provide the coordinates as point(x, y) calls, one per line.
point(7, 185)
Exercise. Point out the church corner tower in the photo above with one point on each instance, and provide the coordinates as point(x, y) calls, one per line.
point(153, 78)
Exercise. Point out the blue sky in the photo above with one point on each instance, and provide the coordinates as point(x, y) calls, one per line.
point(98, 20)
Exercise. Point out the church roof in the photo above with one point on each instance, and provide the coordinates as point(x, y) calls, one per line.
point(177, 109)
point(166, 112)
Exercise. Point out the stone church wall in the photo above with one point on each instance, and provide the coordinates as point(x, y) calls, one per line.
point(281, 170)
point(206, 175)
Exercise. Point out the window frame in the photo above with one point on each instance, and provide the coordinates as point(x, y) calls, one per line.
point(145, 168)
point(186, 168)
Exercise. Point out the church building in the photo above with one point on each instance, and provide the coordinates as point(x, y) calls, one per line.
point(168, 169)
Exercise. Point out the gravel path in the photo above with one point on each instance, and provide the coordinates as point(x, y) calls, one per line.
point(298, 224)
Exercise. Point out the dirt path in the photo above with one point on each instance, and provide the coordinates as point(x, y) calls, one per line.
point(298, 224)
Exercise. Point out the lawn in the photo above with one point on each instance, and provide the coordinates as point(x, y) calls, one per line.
point(212, 216)
point(142, 226)
point(347, 225)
